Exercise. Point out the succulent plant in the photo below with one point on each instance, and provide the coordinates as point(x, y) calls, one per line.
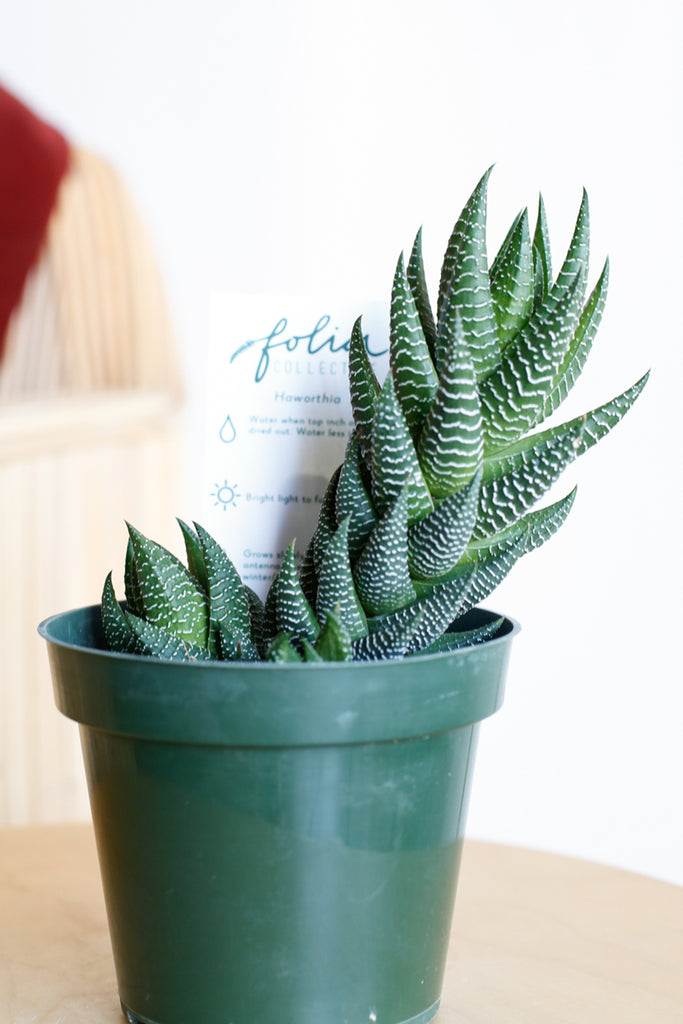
point(434, 502)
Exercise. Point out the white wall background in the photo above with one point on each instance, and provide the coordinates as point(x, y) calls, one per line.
point(297, 147)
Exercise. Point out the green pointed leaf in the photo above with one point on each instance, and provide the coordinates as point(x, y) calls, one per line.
point(514, 396)
point(394, 460)
point(310, 653)
point(576, 260)
point(293, 615)
point(231, 648)
point(581, 344)
point(517, 477)
point(308, 576)
point(512, 282)
point(336, 588)
point(364, 388)
point(465, 285)
point(596, 424)
point(495, 556)
point(390, 640)
point(195, 555)
point(327, 523)
point(437, 606)
point(534, 528)
point(489, 567)
point(132, 584)
point(450, 448)
point(157, 642)
point(520, 475)
point(418, 286)
point(436, 543)
point(412, 371)
point(256, 614)
point(381, 574)
point(171, 598)
point(117, 631)
point(227, 599)
point(453, 641)
point(503, 253)
point(334, 642)
point(283, 651)
point(440, 605)
point(352, 499)
point(543, 271)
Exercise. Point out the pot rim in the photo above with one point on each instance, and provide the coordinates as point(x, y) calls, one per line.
point(272, 704)
point(509, 628)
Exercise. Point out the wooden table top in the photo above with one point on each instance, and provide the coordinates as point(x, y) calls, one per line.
point(537, 938)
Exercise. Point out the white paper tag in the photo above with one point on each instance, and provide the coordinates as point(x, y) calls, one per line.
point(278, 418)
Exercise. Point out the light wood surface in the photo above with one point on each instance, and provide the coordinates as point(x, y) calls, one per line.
point(537, 938)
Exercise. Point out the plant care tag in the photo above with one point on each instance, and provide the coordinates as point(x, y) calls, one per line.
point(278, 418)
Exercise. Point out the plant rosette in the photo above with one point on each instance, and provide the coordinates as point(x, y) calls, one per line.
point(279, 789)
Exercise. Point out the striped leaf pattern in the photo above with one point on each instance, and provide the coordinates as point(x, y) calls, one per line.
point(418, 285)
point(171, 598)
point(451, 444)
point(381, 574)
point(513, 397)
point(512, 282)
point(336, 588)
point(436, 499)
point(465, 284)
point(412, 370)
point(543, 273)
point(395, 463)
point(363, 388)
point(293, 614)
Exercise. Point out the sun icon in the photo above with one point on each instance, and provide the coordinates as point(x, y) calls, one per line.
point(225, 494)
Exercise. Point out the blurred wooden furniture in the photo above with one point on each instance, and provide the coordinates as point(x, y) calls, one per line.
point(90, 436)
point(537, 938)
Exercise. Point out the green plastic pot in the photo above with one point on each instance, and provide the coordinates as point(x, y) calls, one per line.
point(278, 843)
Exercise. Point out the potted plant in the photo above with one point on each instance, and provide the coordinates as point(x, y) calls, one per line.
point(279, 790)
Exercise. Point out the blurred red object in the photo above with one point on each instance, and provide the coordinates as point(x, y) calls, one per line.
point(33, 159)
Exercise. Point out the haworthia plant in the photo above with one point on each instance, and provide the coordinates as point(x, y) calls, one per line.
point(433, 503)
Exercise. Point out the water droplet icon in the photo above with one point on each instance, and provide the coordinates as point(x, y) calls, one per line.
point(227, 431)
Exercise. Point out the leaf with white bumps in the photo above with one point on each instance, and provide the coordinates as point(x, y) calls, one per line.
point(517, 477)
point(513, 397)
point(436, 543)
point(394, 460)
point(451, 444)
point(418, 286)
point(154, 641)
point(465, 284)
point(512, 281)
point(391, 640)
point(579, 349)
point(117, 629)
point(227, 599)
point(293, 614)
point(352, 499)
point(381, 574)
point(412, 371)
point(453, 641)
point(171, 598)
point(363, 387)
point(326, 525)
point(132, 584)
point(543, 272)
point(334, 642)
point(336, 589)
point(576, 260)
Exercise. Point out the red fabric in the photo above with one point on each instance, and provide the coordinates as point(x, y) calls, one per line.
point(33, 159)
